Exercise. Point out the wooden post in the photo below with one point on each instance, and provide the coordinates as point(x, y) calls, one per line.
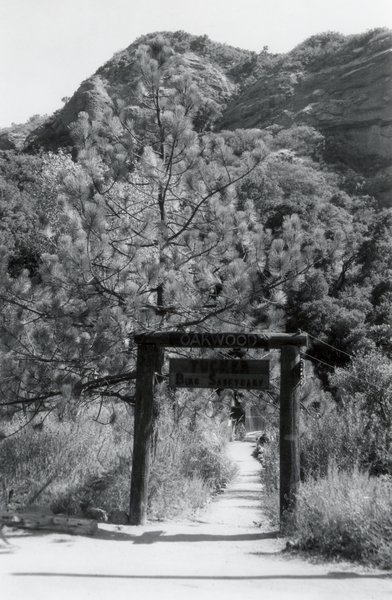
point(147, 359)
point(289, 426)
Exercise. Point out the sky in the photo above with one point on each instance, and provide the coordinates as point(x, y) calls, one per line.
point(48, 47)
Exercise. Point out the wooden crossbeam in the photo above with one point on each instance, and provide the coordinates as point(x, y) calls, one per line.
point(172, 339)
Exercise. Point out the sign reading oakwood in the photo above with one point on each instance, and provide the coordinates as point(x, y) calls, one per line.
point(219, 339)
point(219, 373)
point(173, 339)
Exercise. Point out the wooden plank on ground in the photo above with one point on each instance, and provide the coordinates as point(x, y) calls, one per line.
point(62, 523)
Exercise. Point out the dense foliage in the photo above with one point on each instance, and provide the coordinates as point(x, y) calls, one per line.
point(157, 221)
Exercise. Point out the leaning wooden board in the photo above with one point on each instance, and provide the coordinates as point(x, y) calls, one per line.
point(60, 523)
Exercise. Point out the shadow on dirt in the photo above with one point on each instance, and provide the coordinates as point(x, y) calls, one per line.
point(151, 537)
point(331, 575)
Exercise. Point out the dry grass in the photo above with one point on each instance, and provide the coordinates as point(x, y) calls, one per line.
point(342, 511)
point(189, 464)
point(347, 515)
point(67, 463)
point(70, 464)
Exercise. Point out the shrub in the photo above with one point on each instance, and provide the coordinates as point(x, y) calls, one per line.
point(341, 510)
point(189, 460)
point(365, 388)
point(319, 48)
point(63, 464)
point(335, 436)
point(71, 465)
point(347, 515)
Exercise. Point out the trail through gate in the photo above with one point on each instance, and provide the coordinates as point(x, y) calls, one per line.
point(149, 355)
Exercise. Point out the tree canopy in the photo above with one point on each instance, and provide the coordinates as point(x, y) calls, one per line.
point(158, 221)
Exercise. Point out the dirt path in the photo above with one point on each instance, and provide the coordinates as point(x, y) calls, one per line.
point(224, 554)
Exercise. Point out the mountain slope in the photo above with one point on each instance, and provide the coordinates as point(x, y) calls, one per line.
point(337, 84)
point(340, 85)
point(216, 68)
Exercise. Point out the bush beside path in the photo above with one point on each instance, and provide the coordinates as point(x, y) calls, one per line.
point(227, 551)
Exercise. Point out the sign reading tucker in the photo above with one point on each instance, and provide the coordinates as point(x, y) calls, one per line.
point(219, 373)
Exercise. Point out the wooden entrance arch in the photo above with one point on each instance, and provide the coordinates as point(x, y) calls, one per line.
point(150, 347)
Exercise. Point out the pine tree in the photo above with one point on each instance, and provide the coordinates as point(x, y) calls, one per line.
point(150, 237)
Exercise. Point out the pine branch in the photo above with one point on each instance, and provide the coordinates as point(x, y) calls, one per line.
point(21, 305)
point(207, 197)
point(87, 387)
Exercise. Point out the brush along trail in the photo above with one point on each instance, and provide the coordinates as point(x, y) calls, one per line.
point(227, 552)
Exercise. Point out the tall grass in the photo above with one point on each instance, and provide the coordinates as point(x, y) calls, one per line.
point(335, 437)
point(346, 514)
point(67, 463)
point(189, 462)
point(270, 478)
point(341, 510)
point(71, 464)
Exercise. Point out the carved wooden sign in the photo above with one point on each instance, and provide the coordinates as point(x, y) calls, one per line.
point(179, 339)
point(219, 373)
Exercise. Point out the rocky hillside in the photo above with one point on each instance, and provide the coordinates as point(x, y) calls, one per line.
point(339, 85)
point(14, 136)
point(216, 68)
